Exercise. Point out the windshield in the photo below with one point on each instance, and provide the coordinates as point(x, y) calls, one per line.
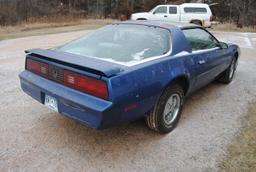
point(122, 43)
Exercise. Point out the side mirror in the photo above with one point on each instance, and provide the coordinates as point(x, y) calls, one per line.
point(223, 45)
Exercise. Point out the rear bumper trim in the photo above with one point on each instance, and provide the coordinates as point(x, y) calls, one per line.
point(80, 106)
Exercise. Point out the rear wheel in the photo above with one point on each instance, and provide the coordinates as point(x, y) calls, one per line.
point(227, 76)
point(166, 112)
point(197, 22)
point(141, 19)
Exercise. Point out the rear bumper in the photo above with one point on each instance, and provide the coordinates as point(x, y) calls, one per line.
point(207, 24)
point(82, 107)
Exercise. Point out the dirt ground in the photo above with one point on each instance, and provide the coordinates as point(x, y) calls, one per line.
point(43, 28)
point(34, 138)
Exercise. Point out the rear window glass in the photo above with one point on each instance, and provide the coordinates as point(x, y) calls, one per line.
point(172, 10)
point(122, 43)
point(195, 10)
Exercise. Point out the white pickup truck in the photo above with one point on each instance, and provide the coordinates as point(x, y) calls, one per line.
point(197, 13)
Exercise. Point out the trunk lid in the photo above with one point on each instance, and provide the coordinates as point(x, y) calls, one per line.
point(89, 64)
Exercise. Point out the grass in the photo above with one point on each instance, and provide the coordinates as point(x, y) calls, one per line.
point(58, 24)
point(231, 27)
point(241, 153)
point(41, 27)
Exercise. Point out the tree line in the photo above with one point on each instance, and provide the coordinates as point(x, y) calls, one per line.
point(13, 12)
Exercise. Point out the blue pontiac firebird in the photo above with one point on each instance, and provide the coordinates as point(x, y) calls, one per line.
point(128, 70)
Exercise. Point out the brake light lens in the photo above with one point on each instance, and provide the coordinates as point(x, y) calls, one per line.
point(38, 67)
point(86, 84)
point(211, 18)
point(71, 79)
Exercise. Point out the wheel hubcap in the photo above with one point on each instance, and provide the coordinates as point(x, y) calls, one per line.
point(171, 109)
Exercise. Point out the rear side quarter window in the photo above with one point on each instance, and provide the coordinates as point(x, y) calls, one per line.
point(172, 10)
point(195, 10)
point(200, 39)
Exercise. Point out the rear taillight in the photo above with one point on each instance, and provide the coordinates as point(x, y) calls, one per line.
point(211, 18)
point(38, 67)
point(86, 84)
point(71, 79)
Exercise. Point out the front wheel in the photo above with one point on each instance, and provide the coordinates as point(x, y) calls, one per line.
point(227, 76)
point(166, 112)
point(141, 19)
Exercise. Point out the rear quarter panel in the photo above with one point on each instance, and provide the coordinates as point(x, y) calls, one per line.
point(143, 85)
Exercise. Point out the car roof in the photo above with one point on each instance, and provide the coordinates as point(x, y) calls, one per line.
point(159, 23)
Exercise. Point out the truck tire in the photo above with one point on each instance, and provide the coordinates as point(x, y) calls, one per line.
point(141, 19)
point(197, 22)
point(165, 115)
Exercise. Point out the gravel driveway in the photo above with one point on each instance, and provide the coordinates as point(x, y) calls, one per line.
point(34, 138)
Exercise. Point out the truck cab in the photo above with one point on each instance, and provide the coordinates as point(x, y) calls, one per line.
point(165, 12)
point(197, 13)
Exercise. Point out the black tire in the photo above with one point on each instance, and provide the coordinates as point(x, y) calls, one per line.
point(227, 76)
point(141, 19)
point(155, 120)
point(197, 22)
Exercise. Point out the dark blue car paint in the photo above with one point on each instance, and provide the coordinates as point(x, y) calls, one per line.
point(137, 87)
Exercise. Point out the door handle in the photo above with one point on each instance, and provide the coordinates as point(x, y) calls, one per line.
point(165, 16)
point(201, 62)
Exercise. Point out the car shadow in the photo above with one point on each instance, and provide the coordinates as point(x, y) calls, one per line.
point(60, 132)
point(200, 99)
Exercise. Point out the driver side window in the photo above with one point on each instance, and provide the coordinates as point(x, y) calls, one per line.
point(161, 10)
point(199, 39)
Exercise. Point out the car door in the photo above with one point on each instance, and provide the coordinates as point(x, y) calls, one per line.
point(209, 60)
point(159, 13)
point(173, 13)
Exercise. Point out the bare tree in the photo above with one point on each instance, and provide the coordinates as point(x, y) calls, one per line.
point(243, 12)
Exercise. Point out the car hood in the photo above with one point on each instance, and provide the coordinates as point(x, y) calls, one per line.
point(105, 68)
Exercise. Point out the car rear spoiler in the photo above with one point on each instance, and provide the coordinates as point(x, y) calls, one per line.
point(89, 64)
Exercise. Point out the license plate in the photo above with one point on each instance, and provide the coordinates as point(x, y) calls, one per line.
point(51, 103)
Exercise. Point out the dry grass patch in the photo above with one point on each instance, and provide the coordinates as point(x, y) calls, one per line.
point(241, 153)
point(44, 26)
point(231, 27)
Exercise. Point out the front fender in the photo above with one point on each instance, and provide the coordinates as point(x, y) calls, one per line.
point(233, 48)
